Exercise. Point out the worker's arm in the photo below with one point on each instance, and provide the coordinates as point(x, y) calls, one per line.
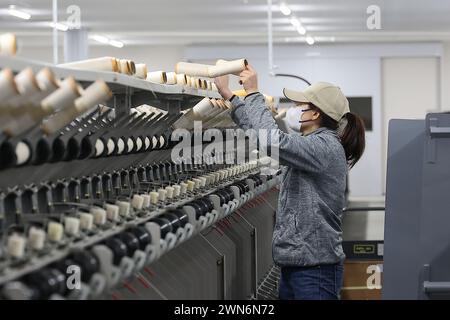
point(238, 113)
point(308, 153)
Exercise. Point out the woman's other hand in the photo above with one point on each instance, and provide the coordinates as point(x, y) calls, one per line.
point(249, 79)
point(223, 87)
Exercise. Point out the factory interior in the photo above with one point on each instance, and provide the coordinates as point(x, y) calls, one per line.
point(134, 166)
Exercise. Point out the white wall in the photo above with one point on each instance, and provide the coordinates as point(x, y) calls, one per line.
point(43, 54)
point(156, 57)
point(411, 89)
point(445, 77)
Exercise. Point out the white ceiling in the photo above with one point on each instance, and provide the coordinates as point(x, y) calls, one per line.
point(146, 22)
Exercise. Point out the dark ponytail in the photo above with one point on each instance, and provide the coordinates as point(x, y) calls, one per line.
point(353, 137)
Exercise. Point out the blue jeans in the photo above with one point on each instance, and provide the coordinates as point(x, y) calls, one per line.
point(323, 282)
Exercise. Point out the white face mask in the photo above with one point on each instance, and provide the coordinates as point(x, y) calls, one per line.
point(294, 116)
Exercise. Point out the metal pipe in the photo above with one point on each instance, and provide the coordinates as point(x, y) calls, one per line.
point(436, 287)
point(292, 76)
point(270, 35)
point(55, 32)
point(364, 209)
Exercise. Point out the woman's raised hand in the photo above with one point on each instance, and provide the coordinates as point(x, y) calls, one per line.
point(222, 84)
point(249, 79)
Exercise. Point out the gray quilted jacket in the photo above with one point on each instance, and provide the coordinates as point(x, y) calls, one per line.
point(308, 222)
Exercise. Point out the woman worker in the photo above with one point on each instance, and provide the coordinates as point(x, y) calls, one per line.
point(307, 240)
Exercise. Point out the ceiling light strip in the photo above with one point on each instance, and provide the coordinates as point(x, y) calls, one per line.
point(105, 40)
point(13, 11)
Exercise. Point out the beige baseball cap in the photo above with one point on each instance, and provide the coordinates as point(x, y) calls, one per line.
point(326, 96)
